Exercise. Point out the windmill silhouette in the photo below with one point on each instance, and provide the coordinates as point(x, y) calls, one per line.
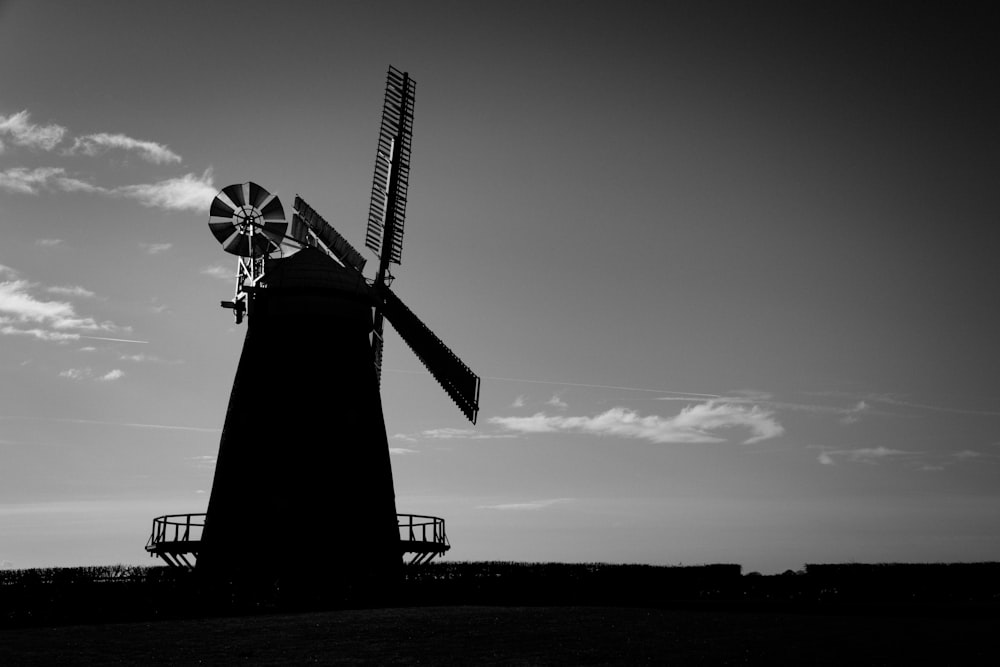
point(303, 483)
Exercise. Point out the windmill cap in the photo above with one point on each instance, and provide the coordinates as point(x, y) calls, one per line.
point(312, 269)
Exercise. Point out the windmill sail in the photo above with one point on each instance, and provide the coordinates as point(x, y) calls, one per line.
point(306, 218)
point(387, 209)
point(451, 372)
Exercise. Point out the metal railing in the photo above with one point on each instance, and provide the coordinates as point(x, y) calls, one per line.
point(174, 535)
point(422, 536)
point(176, 528)
point(421, 528)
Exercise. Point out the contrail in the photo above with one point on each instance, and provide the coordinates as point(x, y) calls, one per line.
point(578, 384)
point(67, 420)
point(117, 340)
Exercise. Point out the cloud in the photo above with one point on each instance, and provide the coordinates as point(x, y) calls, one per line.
point(897, 401)
point(848, 415)
point(96, 144)
point(156, 248)
point(14, 299)
point(71, 290)
point(48, 243)
point(863, 455)
point(526, 507)
point(32, 182)
point(19, 129)
point(401, 451)
point(557, 402)
point(20, 179)
point(145, 359)
point(45, 320)
point(185, 193)
point(518, 402)
point(967, 454)
point(40, 334)
point(696, 423)
point(86, 373)
point(70, 184)
point(205, 462)
point(219, 271)
point(853, 415)
point(449, 433)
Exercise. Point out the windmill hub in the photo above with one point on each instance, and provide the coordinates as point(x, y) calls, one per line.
point(248, 220)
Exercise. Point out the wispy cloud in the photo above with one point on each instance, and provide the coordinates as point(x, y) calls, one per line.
point(71, 290)
point(185, 193)
point(24, 313)
point(88, 374)
point(862, 455)
point(96, 144)
point(898, 401)
point(848, 415)
point(694, 423)
point(219, 271)
point(155, 248)
point(189, 192)
point(21, 307)
point(48, 243)
point(557, 402)
point(518, 402)
point(529, 506)
point(205, 462)
point(40, 334)
point(112, 375)
point(853, 415)
point(18, 129)
point(449, 433)
point(29, 181)
point(145, 359)
point(402, 451)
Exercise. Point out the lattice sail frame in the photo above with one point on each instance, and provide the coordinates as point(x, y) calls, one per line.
point(387, 209)
point(308, 227)
point(452, 374)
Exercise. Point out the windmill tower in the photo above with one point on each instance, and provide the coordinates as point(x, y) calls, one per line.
point(303, 484)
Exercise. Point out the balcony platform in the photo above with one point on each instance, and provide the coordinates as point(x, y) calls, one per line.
point(176, 538)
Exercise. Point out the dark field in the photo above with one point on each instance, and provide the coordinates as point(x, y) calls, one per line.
point(512, 613)
point(514, 636)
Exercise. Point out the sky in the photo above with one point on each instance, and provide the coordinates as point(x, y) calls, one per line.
point(727, 272)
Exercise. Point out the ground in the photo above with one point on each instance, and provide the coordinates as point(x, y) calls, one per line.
point(514, 636)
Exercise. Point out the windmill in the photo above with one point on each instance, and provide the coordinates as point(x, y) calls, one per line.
point(303, 483)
